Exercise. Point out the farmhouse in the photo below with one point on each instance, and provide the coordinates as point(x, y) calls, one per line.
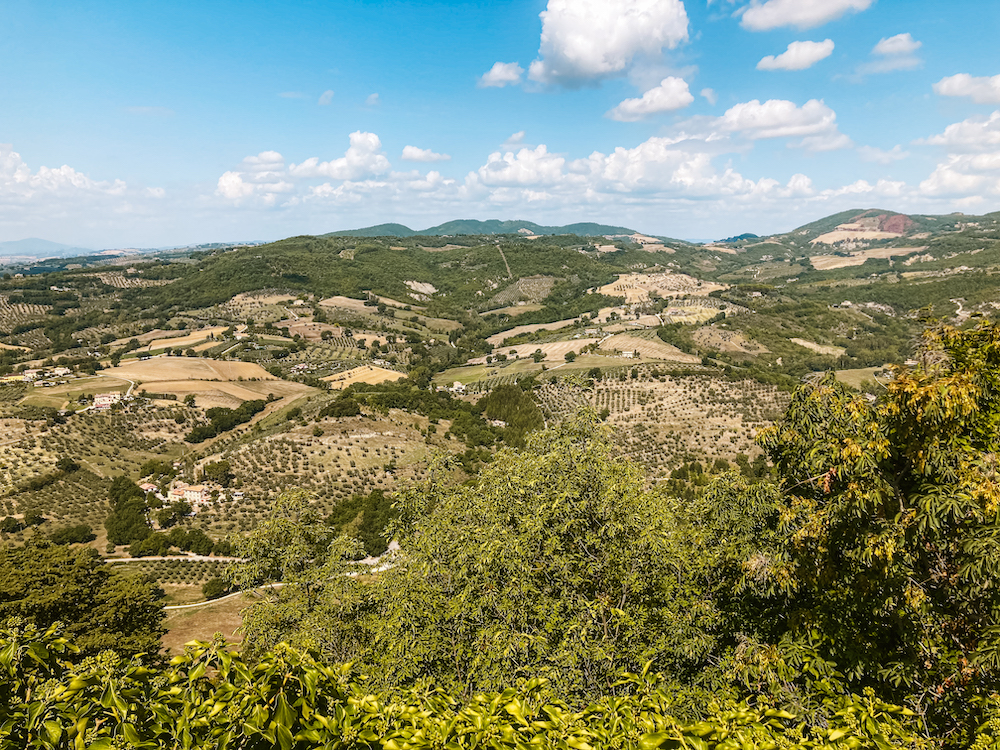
point(106, 400)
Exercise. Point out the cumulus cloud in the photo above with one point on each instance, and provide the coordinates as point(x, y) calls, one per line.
point(262, 175)
point(974, 134)
point(18, 181)
point(878, 156)
point(709, 95)
point(981, 90)
point(798, 56)
point(901, 44)
point(412, 153)
point(326, 98)
point(802, 14)
point(972, 163)
point(501, 74)
point(814, 123)
point(363, 158)
point(67, 205)
point(527, 167)
point(893, 53)
point(671, 94)
point(962, 174)
point(589, 40)
point(372, 100)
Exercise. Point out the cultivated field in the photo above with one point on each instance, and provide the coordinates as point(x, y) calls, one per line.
point(213, 382)
point(647, 348)
point(661, 420)
point(827, 262)
point(498, 338)
point(183, 342)
point(188, 368)
point(365, 374)
point(201, 623)
point(554, 351)
point(636, 287)
point(346, 303)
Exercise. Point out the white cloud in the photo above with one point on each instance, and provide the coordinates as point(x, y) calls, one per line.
point(362, 159)
point(802, 14)
point(501, 74)
point(878, 156)
point(66, 205)
point(893, 53)
point(671, 94)
point(798, 56)
point(263, 175)
point(965, 173)
point(974, 134)
point(813, 122)
point(981, 90)
point(901, 44)
point(709, 95)
point(527, 167)
point(18, 181)
point(515, 141)
point(412, 153)
point(372, 100)
point(326, 98)
point(883, 188)
point(589, 40)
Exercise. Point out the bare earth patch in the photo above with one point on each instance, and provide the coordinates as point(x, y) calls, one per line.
point(832, 351)
point(727, 341)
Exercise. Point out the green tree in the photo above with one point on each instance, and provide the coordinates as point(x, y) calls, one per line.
point(293, 547)
point(219, 472)
point(555, 563)
point(101, 608)
point(889, 565)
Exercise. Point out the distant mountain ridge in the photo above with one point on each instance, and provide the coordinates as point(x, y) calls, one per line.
point(33, 247)
point(491, 226)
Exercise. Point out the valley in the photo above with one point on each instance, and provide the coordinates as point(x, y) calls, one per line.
point(372, 357)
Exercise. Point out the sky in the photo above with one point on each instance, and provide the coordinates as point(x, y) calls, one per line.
point(152, 124)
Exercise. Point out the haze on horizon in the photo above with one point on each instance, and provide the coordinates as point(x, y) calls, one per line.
point(183, 122)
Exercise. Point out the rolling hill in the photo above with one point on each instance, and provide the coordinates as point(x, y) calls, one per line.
point(492, 226)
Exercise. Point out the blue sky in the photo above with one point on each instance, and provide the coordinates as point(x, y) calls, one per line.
point(151, 124)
